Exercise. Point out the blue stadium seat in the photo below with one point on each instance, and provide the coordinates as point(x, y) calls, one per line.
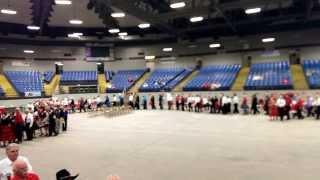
point(269, 76)
point(124, 79)
point(25, 81)
point(79, 77)
point(312, 72)
point(2, 94)
point(159, 79)
point(215, 77)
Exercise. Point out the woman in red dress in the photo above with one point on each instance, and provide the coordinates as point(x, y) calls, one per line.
point(273, 110)
point(7, 134)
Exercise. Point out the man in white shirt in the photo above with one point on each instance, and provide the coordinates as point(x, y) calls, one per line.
point(235, 101)
point(131, 100)
point(169, 100)
point(12, 152)
point(281, 103)
point(224, 103)
point(29, 125)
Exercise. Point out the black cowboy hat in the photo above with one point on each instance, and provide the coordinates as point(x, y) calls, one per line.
point(64, 174)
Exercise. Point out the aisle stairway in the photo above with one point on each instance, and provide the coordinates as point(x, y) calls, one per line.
point(184, 82)
point(102, 83)
point(7, 87)
point(50, 88)
point(299, 79)
point(138, 84)
point(239, 83)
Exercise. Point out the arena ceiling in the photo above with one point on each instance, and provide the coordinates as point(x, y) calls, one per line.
point(221, 18)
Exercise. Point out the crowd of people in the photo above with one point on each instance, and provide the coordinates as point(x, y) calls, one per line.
point(40, 118)
point(50, 116)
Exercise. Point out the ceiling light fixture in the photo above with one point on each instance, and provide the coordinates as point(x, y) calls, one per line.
point(8, 11)
point(253, 10)
point(215, 45)
point(114, 31)
point(196, 19)
point(178, 5)
point(28, 51)
point(267, 40)
point(118, 15)
point(33, 28)
point(75, 21)
point(167, 49)
point(149, 57)
point(75, 35)
point(123, 34)
point(144, 25)
point(63, 2)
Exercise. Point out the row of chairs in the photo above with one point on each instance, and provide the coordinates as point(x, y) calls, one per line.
point(25, 81)
point(214, 77)
point(312, 71)
point(123, 80)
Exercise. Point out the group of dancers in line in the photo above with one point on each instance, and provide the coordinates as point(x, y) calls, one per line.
point(49, 117)
point(276, 106)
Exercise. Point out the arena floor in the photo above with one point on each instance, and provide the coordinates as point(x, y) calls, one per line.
point(155, 145)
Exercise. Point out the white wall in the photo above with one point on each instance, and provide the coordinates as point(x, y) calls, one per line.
point(126, 52)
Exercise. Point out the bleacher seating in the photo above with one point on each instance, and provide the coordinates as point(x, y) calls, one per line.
point(215, 77)
point(1, 92)
point(159, 79)
point(312, 71)
point(79, 77)
point(25, 81)
point(108, 75)
point(124, 79)
point(173, 83)
point(48, 76)
point(269, 76)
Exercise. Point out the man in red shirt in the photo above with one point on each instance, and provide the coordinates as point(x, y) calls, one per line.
point(20, 172)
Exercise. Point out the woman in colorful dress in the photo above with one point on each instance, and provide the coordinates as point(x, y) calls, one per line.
point(273, 110)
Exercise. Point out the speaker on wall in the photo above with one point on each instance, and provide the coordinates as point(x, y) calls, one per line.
point(100, 68)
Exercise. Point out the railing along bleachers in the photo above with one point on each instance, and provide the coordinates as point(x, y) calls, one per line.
point(79, 77)
point(173, 83)
point(311, 69)
point(269, 76)
point(108, 75)
point(159, 78)
point(214, 77)
point(48, 76)
point(25, 81)
point(124, 79)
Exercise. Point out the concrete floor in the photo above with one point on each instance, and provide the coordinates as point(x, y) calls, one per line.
point(155, 145)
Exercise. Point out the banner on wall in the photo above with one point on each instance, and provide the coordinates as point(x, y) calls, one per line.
point(21, 63)
point(32, 94)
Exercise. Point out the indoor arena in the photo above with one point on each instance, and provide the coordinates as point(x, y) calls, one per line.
point(159, 89)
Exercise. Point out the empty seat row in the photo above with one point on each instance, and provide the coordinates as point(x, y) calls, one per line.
point(160, 78)
point(124, 79)
point(269, 76)
point(214, 77)
point(25, 81)
point(79, 77)
point(311, 69)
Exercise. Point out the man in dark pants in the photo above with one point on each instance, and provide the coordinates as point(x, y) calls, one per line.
point(287, 107)
point(317, 105)
point(254, 104)
point(152, 101)
point(235, 101)
point(65, 119)
point(19, 123)
point(161, 101)
point(52, 123)
point(137, 102)
point(281, 103)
